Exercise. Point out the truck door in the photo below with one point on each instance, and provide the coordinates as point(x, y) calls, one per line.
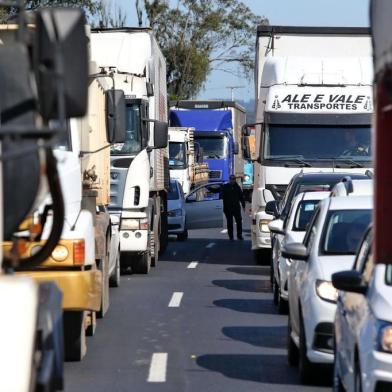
point(204, 207)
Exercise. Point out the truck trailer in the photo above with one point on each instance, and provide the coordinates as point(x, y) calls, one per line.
point(131, 60)
point(313, 110)
point(218, 131)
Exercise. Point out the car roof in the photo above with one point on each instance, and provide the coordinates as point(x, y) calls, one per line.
point(351, 203)
point(313, 195)
point(322, 176)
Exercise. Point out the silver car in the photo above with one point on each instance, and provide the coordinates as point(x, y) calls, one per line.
point(176, 211)
point(363, 324)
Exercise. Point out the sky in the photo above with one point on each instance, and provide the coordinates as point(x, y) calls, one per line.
point(279, 12)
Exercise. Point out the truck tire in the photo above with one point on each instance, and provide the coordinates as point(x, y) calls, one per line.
point(183, 236)
point(164, 232)
point(74, 335)
point(104, 268)
point(114, 280)
point(91, 321)
point(141, 264)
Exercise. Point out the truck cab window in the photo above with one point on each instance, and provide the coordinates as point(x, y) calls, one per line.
point(177, 155)
point(133, 143)
point(213, 147)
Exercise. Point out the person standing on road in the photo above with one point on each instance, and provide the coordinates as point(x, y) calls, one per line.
point(233, 199)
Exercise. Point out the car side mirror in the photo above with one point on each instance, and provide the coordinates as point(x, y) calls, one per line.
point(350, 281)
point(271, 208)
point(236, 148)
point(115, 116)
point(276, 226)
point(268, 196)
point(61, 62)
point(296, 251)
point(160, 134)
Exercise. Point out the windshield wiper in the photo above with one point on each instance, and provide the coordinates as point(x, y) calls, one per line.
point(214, 156)
point(293, 159)
point(349, 161)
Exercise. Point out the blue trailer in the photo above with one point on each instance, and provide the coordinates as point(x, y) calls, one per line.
point(217, 131)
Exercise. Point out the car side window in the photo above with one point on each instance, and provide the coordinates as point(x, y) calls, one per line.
point(363, 253)
point(311, 232)
point(368, 268)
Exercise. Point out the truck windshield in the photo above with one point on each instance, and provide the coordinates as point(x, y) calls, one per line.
point(343, 231)
point(133, 143)
point(317, 142)
point(177, 155)
point(213, 147)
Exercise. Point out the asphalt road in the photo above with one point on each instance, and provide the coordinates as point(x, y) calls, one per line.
point(221, 331)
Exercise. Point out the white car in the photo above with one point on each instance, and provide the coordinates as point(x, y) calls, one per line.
point(291, 229)
point(176, 211)
point(329, 246)
point(363, 324)
point(114, 257)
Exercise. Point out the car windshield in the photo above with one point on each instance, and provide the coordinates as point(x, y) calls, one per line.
point(388, 277)
point(343, 230)
point(213, 147)
point(133, 141)
point(317, 142)
point(177, 155)
point(173, 192)
point(304, 214)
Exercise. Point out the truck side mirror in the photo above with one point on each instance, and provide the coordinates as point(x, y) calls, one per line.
point(150, 89)
point(115, 116)
point(61, 62)
point(161, 132)
point(245, 148)
point(246, 130)
point(236, 148)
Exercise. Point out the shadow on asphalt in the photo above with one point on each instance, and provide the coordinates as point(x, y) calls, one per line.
point(271, 369)
point(261, 271)
point(270, 337)
point(258, 306)
point(250, 285)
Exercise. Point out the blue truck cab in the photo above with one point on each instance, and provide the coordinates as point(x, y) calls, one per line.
point(217, 131)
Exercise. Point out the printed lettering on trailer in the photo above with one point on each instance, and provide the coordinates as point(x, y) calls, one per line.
point(321, 102)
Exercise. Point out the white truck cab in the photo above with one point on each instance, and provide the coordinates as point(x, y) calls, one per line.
point(314, 108)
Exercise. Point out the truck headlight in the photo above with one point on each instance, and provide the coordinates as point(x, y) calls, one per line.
point(60, 253)
point(385, 338)
point(263, 225)
point(177, 212)
point(326, 291)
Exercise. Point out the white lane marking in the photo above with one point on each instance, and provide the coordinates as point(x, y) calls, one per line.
point(224, 231)
point(193, 264)
point(176, 299)
point(210, 245)
point(157, 372)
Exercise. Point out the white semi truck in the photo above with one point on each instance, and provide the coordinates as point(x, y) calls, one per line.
point(131, 59)
point(185, 160)
point(313, 110)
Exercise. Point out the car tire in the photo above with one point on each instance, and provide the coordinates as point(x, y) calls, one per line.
point(275, 292)
point(357, 377)
point(292, 349)
point(337, 385)
point(283, 306)
point(183, 236)
point(262, 256)
point(306, 368)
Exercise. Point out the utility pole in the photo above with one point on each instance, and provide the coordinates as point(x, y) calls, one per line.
point(232, 89)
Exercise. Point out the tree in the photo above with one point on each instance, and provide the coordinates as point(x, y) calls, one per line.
point(199, 36)
point(110, 15)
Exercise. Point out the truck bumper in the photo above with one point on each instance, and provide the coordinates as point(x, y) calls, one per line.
point(81, 289)
point(134, 240)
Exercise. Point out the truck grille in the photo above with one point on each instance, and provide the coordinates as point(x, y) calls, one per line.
point(215, 174)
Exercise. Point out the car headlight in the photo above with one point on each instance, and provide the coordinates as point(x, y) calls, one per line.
point(326, 291)
point(177, 212)
point(385, 338)
point(263, 225)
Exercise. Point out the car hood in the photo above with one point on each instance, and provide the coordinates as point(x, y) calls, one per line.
point(174, 204)
point(328, 265)
point(380, 295)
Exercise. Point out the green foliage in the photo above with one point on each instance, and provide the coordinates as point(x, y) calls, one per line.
point(198, 36)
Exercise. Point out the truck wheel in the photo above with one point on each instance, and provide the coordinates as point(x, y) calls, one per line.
point(183, 236)
point(114, 280)
point(164, 234)
point(104, 268)
point(74, 335)
point(91, 321)
point(142, 263)
point(153, 250)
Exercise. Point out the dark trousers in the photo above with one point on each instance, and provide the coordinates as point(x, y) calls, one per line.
point(236, 214)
